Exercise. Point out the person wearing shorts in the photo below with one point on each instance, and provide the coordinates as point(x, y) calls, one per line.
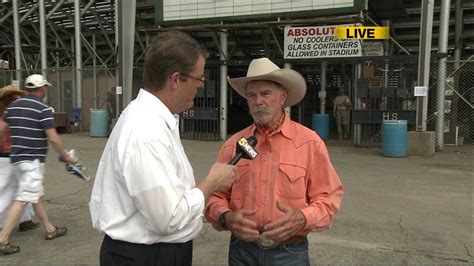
point(8, 185)
point(31, 125)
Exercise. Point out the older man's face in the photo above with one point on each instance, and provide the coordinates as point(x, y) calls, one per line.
point(265, 100)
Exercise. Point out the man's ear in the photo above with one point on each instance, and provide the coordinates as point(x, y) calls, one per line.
point(285, 97)
point(174, 80)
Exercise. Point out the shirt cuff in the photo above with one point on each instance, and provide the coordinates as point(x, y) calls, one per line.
point(214, 217)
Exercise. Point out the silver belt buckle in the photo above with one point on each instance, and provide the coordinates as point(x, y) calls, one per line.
point(266, 243)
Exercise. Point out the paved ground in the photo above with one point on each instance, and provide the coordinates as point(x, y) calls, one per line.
point(395, 211)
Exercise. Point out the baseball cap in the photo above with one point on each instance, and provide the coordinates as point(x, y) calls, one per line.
point(36, 81)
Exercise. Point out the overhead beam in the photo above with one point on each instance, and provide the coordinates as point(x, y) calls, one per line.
point(276, 41)
point(101, 26)
point(28, 13)
point(58, 5)
point(6, 16)
point(86, 8)
point(265, 24)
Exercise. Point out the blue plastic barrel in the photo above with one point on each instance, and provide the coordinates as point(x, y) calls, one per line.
point(395, 138)
point(99, 123)
point(332, 121)
point(320, 124)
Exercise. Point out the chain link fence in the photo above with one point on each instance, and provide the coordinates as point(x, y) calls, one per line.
point(458, 102)
point(384, 91)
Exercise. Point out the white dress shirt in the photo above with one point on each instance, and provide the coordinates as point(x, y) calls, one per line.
point(144, 190)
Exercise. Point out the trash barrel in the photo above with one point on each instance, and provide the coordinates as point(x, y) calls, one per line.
point(332, 121)
point(99, 123)
point(395, 138)
point(320, 124)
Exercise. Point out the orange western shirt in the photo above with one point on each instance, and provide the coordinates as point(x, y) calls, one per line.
point(292, 167)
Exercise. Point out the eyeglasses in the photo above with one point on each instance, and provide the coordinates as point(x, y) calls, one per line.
point(201, 79)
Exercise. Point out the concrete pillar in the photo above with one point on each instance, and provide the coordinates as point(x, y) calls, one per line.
point(287, 109)
point(78, 47)
point(427, 7)
point(223, 84)
point(127, 11)
point(442, 48)
point(322, 91)
point(458, 34)
point(16, 28)
point(422, 142)
point(94, 77)
point(59, 108)
point(43, 45)
point(357, 103)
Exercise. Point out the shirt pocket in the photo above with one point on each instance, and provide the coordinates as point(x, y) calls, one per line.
point(291, 182)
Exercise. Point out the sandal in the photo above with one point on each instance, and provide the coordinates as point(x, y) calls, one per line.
point(28, 225)
point(8, 249)
point(58, 231)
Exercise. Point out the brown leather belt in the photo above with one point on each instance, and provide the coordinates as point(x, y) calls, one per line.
point(266, 243)
point(293, 239)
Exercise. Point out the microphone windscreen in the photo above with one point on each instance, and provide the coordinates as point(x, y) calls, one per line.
point(252, 141)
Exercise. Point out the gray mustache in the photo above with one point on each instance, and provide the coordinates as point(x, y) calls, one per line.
point(260, 109)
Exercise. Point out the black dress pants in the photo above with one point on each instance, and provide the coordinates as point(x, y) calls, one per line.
point(116, 252)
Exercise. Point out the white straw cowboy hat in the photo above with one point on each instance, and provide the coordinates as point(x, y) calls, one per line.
point(9, 90)
point(36, 81)
point(264, 69)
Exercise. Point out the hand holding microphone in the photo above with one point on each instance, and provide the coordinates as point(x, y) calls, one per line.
point(244, 149)
point(221, 175)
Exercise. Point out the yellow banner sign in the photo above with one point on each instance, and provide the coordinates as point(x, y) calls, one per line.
point(363, 33)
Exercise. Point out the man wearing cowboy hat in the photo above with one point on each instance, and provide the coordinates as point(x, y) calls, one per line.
point(30, 122)
point(9, 94)
point(289, 190)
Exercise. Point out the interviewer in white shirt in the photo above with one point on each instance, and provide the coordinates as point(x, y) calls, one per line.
point(145, 198)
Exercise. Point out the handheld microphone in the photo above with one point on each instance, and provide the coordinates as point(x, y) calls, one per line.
point(245, 149)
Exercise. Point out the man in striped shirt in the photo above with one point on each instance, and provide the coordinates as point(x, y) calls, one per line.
point(31, 126)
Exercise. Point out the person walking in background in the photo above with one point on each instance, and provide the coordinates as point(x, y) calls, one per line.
point(145, 198)
point(341, 111)
point(8, 185)
point(111, 105)
point(289, 189)
point(31, 125)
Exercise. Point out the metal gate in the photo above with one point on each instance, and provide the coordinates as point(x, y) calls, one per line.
point(383, 91)
point(202, 121)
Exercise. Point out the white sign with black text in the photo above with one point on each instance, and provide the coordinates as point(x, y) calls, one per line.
point(318, 42)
